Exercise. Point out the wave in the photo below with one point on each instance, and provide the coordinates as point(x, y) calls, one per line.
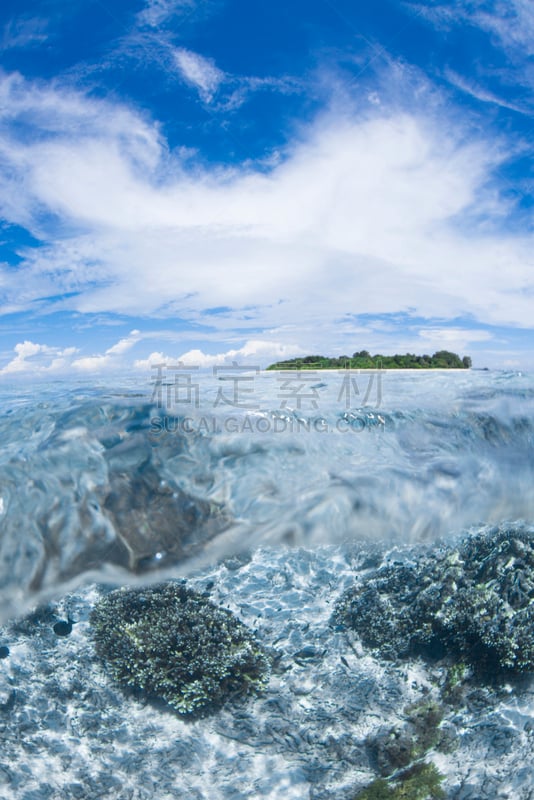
point(107, 485)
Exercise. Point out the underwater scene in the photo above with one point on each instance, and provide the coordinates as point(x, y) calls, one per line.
point(247, 584)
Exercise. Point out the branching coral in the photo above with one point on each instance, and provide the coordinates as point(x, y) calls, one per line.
point(474, 602)
point(174, 644)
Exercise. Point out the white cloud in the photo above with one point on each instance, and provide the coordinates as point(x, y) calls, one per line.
point(254, 352)
point(111, 358)
point(379, 215)
point(34, 358)
point(38, 358)
point(200, 72)
point(151, 41)
point(126, 344)
point(456, 339)
point(157, 12)
point(511, 20)
point(479, 93)
point(454, 334)
point(24, 31)
point(60, 121)
point(153, 360)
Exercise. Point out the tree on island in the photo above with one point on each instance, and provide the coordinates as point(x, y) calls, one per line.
point(443, 359)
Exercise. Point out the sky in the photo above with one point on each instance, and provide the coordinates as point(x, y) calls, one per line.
point(219, 181)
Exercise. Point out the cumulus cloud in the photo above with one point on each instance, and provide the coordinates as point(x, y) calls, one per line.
point(32, 357)
point(390, 212)
point(112, 357)
point(38, 358)
point(254, 352)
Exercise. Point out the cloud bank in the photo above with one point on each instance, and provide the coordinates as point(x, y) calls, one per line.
point(363, 213)
point(41, 360)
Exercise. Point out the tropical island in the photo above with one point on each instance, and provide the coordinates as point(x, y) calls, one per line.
point(443, 359)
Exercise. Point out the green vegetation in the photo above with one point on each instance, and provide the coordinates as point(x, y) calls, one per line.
point(173, 644)
point(394, 748)
point(452, 691)
point(424, 719)
point(421, 781)
point(443, 359)
point(455, 675)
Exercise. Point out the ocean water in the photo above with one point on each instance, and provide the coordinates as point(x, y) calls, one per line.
point(273, 494)
point(139, 477)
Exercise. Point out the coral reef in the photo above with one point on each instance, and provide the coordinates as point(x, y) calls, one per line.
point(421, 781)
point(474, 602)
point(172, 643)
point(69, 731)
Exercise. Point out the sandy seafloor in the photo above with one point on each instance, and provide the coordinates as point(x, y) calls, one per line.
point(67, 731)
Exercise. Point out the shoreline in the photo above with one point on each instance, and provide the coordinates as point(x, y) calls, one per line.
point(376, 369)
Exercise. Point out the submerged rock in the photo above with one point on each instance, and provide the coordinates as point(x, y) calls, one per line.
point(474, 602)
point(155, 522)
point(173, 644)
point(97, 491)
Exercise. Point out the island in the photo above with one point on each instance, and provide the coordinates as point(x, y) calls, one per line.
point(443, 359)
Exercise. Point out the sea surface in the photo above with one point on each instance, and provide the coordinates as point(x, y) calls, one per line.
point(135, 476)
point(272, 494)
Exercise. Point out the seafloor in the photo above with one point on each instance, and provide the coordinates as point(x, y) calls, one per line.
point(322, 730)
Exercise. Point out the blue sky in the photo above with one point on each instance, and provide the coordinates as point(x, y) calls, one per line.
point(230, 180)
